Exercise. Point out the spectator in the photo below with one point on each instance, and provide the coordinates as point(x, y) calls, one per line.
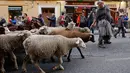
point(120, 26)
point(62, 20)
point(81, 20)
point(2, 21)
point(41, 19)
point(126, 20)
point(19, 21)
point(67, 19)
point(13, 20)
point(10, 17)
point(116, 19)
point(52, 20)
point(26, 19)
point(27, 22)
point(90, 19)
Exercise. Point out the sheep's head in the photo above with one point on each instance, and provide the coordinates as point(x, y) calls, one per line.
point(71, 25)
point(80, 43)
point(91, 38)
point(24, 34)
point(43, 30)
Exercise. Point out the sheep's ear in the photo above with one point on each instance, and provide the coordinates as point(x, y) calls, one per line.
point(77, 42)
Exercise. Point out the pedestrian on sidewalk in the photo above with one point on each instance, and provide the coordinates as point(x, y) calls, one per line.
point(103, 19)
point(120, 26)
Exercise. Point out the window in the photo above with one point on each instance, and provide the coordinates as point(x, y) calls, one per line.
point(15, 10)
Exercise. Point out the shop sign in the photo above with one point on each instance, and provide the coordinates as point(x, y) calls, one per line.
point(80, 3)
point(14, 8)
point(111, 5)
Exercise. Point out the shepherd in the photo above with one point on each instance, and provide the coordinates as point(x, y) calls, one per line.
point(103, 19)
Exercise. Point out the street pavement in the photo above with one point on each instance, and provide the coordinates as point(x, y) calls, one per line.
point(115, 58)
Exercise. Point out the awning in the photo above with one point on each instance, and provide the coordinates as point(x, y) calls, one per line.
point(14, 8)
point(84, 6)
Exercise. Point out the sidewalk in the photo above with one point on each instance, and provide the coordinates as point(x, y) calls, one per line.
point(96, 31)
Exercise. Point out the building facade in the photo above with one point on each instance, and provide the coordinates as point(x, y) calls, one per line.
point(32, 8)
point(46, 7)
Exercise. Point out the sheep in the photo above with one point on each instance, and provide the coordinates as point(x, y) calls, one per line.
point(44, 46)
point(8, 43)
point(72, 34)
point(86, 36)
point(47, 30)
point(71, 25)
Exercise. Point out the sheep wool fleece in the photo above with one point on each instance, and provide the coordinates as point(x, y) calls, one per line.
point(45, 46)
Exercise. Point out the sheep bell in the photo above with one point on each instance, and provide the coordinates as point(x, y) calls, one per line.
point(80, 43)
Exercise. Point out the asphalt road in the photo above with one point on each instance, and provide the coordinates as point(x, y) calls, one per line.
point(113, 59)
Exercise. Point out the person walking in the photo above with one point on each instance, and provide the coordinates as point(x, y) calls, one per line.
point(120, 26)
point(103, 19)
point(90, 19)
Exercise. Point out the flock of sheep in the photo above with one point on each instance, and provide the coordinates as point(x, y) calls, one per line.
point(43, 43)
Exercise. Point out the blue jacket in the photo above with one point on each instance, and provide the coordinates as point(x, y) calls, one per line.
point(126, 18)
point(13, 21)
point(52, 21)
point(2, 22)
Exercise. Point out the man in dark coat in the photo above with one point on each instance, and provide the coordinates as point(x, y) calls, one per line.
point(2, 21)
point(52, 20)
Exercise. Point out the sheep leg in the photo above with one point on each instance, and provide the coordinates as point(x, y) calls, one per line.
point(26, 59)
point(80, 52)
point(61, 61)
point(59, 65)
point(52, 59)
point(2, 70)
point(13, 58)
point(68, 58)
point(37, 66)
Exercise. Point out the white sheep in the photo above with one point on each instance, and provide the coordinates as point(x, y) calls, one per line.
point(48, 30)
point(8, 43)
point(46, 46)
point(83, 33)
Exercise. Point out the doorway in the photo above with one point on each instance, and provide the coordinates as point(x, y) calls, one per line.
point(15, 11)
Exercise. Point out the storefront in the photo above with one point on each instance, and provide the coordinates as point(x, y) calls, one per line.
point(74, 8)
point(15, 10)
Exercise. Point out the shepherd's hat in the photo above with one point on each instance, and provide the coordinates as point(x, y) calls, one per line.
point(100, 1)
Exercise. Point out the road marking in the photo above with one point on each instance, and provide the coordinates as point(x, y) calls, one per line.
point(118, 59)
